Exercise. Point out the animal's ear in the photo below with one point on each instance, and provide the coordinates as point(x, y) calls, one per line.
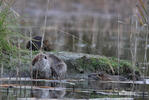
point(35, 60)
point(28, 45)
point(45, 57)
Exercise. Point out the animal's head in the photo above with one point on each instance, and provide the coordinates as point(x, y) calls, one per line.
point(40, 59)
point(35, 43)
point(97, 76)
point(47, 46)
point(101, 74)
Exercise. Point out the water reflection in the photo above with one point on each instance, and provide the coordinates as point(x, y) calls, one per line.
point(97, 85)
point(48, 93)
point(83, 89)
point(57, 92)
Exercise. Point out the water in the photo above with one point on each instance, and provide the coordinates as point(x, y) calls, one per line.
point(70, 89)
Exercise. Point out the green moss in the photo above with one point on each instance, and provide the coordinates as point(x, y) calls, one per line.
point(109, 65)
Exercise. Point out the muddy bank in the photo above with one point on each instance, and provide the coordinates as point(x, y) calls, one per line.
point(80, 63)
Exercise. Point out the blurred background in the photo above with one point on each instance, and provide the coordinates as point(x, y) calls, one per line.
point(87, 26)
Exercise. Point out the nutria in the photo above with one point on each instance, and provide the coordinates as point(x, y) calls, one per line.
point(106, 77)
point(58, 66)
point(47, 46)
point(48, 66)
point(35, 44)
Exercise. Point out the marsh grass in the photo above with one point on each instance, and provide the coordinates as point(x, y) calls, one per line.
point(8, 49)
point(143, 13)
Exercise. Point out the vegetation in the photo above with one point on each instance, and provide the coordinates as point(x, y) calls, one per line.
point(9, 46)
point(143, 13)
point(6, 47)
point(4, 31)
point(109, 65)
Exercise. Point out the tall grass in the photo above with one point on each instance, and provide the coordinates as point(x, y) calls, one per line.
point(4, 31)
point(6, 47)
point(143, 13)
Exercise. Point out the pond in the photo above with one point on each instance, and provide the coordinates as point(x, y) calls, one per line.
point(41, 89)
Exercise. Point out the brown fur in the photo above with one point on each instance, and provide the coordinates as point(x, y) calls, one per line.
point(47, 46)
point(36, 44)
point(57, 67)
point(35, 60)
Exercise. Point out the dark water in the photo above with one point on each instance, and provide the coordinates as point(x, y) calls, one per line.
point(72, 89)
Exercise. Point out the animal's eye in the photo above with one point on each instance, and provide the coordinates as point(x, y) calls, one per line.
point(45, 57)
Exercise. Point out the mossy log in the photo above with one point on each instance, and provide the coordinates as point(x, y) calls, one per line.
point(82, 63)
point(87, 63)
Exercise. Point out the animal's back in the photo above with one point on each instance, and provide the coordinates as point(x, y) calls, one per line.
point(58, 66)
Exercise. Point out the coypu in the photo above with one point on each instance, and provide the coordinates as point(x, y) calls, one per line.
point(106, 77)
point(36, 44)
point(48, 66)
point(47, 46)
point(134, 76)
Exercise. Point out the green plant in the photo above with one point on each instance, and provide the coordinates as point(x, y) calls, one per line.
point(7, 18)
point(109, 65)
point(5, 46)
